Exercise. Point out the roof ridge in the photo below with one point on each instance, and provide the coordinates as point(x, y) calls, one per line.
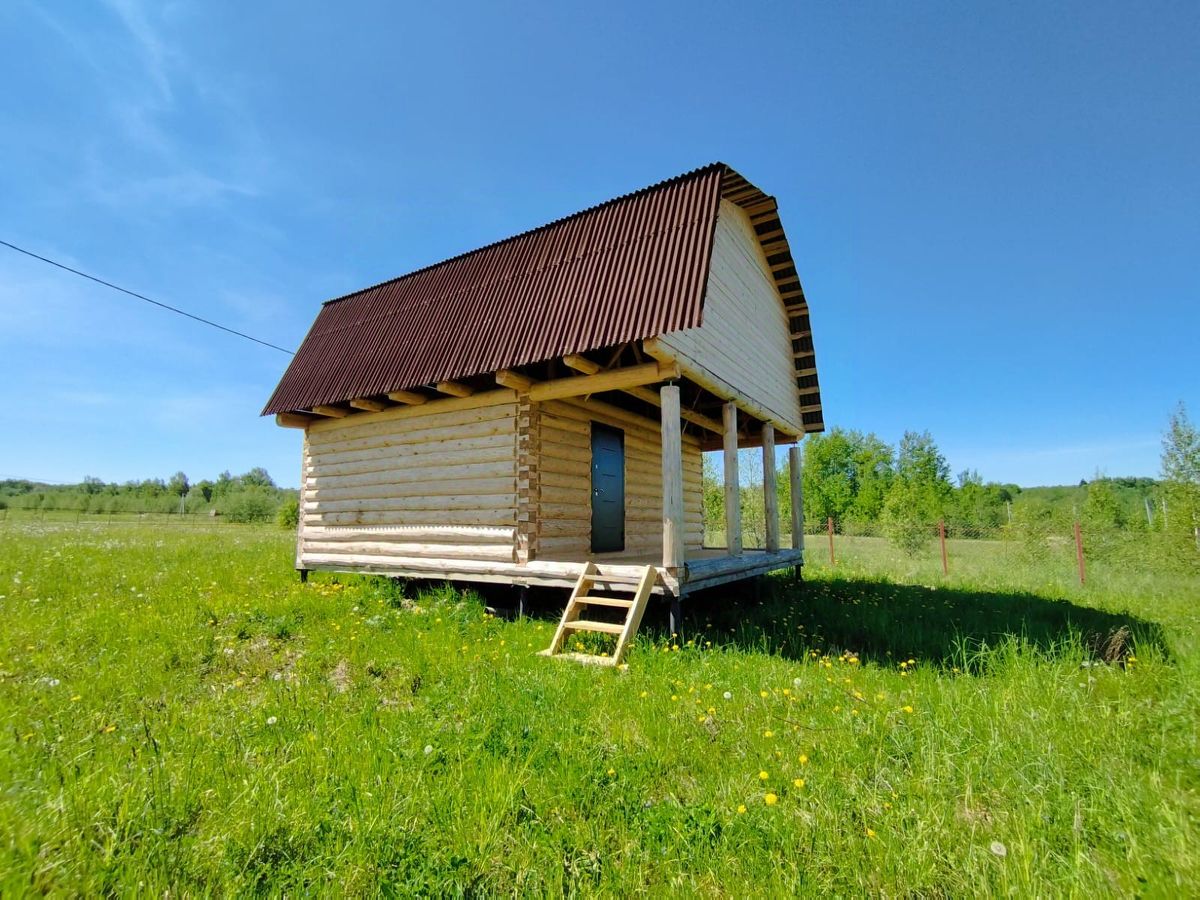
point(667, 182)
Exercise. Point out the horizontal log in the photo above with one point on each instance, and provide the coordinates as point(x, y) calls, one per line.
point(401, 413)
point(447, 487)
point(420, 419)
point(497, 552)
point(478, 502)
point(615, 380)
point(428, 534)
point(415, 517)
point(495, 465)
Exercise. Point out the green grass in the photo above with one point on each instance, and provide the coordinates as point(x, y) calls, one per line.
point(178, 712)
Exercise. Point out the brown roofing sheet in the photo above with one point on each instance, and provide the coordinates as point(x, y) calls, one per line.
point(631, 268)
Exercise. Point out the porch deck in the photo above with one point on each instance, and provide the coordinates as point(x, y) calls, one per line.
point(705, 568)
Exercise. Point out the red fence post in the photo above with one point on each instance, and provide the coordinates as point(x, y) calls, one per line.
point(832, 561)
point(942, 535)
point(1079, 552)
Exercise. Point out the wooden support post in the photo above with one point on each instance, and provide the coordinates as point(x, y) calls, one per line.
point(770, 493)
point(832, 560)
point(676, 621)
point(303, 575)
point(522, 600)
point(796, 473)
point(733, 507)
point(672, 478)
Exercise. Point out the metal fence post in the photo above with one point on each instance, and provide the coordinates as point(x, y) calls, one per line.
point(1079, 552)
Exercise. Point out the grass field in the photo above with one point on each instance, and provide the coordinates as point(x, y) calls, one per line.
point(180, 713)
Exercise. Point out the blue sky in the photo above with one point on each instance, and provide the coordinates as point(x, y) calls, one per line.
point(994, 207)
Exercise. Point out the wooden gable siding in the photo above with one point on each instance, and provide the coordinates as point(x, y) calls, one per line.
point(743, 340)
point(564, 504)
point(436, 481)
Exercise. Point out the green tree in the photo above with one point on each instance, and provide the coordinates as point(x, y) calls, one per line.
point(178, 484)
point(919, 493)
point(1181, 486)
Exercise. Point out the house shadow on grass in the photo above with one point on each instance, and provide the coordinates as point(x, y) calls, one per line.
point(886, 622)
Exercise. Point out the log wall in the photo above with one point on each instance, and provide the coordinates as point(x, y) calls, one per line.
point(564, 497)
point(430, 482)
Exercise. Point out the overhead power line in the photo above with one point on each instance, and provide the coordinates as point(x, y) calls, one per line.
point(166, 306)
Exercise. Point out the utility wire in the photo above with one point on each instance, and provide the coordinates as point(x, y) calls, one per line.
point(109, 284)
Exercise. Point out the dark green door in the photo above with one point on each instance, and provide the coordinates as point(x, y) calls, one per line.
point(608, 489)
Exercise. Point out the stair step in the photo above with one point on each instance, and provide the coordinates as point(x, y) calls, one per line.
point(598, 600)
point(588, 659)
point(616, 579)
point(602, 627)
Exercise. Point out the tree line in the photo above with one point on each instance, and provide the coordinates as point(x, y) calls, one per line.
point(250, 497)
point(867, 486)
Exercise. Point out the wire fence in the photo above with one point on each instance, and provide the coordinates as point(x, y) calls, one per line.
point(1075, 550)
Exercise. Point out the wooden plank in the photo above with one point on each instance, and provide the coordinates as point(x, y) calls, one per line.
point(795, 467)
point(672, 479)
point(770, 494)
point(733, 509)
point(366, 403)
point(293, 420)
point(616, 380)
point(407, 397)
point(332, 412)
point(601, 627)
point(454, 388)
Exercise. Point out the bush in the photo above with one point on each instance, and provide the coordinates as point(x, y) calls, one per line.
point(255, 505)
point(288, 515)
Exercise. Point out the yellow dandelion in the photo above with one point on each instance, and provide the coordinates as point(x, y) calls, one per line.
point(109, 729)
point(763, 694)
point(771, 799)
point(644, 694)
point(76, 698)
point(763, 776)
point(870, 832)
point(798, 782)
point(907, 709)
point(741, 808)
point(674, 697)
point(612, 772)
point(768, 734)
point(804, 759)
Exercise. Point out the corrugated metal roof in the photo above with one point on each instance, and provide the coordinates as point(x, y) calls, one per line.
point(632, 268)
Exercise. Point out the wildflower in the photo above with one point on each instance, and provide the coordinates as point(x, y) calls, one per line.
point(798, 782)
point(804, 759)
point(109, 729)
point(999, 849)
point(727, 695)
point(76, 698)
point(741, 808)
point(271, 720)
point(644, 694)
point(763, 694)
point(712, 710)
point(674, 697)
point(771, 799)
point(796, 682)
point(612, 772)
point(907, 709)
point(428, 749)
point(870, 832)
point(763, 776)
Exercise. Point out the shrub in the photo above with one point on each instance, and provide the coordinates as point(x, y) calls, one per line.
point(255, 505)
point(288, 515)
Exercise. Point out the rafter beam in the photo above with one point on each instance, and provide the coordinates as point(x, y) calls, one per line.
point(333, 412)
point(293, 420)
point(588, 367)
point(407, 397)
point(581, 364)
point(515, 380)
point(454, 388)
point(366, 403)
point(616, 380)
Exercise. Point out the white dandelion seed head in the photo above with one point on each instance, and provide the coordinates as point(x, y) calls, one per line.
point(428, 749)
point(797, 682)
point(728, 695)
point(999, 849)
point(229, 651)
point(271, 720)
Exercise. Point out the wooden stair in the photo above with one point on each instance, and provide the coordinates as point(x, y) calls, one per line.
point(638, 587)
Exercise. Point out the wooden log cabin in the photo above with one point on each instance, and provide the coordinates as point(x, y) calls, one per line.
point(516, 412)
